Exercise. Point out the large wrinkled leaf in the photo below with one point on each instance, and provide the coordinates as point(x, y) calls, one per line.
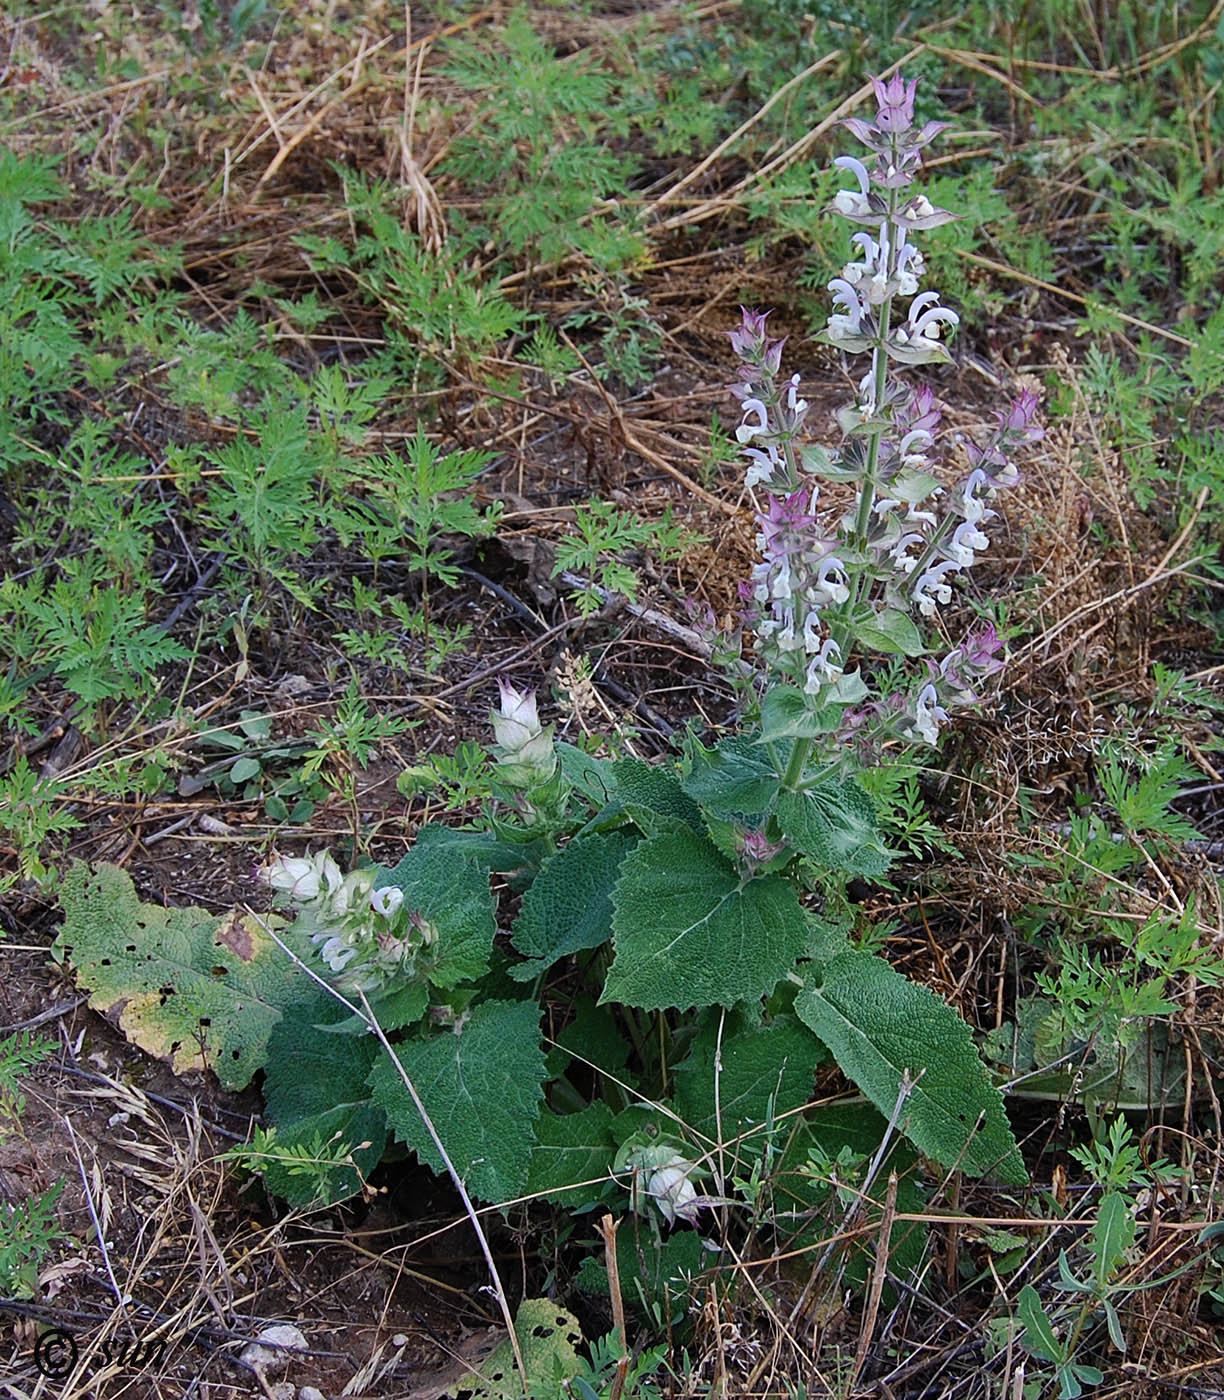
point(689, 933)
point(571, 1148)
point(450, 890)
point(592, 777)
point(653, 797)
point(880, 1027)
point(835, 825)
point(481, 1086)
point(734, 779)
point(755, 1068)
point(187, 986)
point(315, 1090)
point(569, 905)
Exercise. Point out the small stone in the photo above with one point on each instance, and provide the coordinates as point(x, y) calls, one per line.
point(282, 1390)
point(310, 1392)
point(399, 1340)
point(261, 1356)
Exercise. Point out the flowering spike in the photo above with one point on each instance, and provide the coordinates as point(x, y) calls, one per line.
point(825, 589)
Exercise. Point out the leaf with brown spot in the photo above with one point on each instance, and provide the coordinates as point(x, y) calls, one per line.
point(234, 933)
point(187, 986)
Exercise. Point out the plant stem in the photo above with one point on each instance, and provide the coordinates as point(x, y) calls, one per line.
point(879, 366)
point(798, 761)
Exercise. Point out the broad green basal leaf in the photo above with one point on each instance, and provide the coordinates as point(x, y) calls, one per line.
point(451, 892)
point(315, 1089)
point(569, 905)
point(834, 825)
point(689, 933)
point(572, 1154)
point(753, 1070)
point(653, 797)
point(882, 1027)
point(480, 1083)
point(201, 991)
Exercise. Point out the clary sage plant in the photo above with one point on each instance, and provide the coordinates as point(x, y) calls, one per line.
point(673, 927)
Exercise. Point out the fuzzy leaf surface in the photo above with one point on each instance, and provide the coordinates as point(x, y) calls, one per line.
point(835, 825)
point(450, 889)
point(316, 1088)
point(482, 1089)
point(572, 1148)
point(879, 1026)
point(758, 1063)
point(689, 933)
point(186, 986)
point(734, 779)
point(569, 905)
point(653, 797)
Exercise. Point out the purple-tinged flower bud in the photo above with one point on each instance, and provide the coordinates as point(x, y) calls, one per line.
point(755, 848)
point(896, 102)
point(982, 650)
point(527, 757)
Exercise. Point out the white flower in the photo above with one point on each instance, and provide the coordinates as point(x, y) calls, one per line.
point(387, 901)
point(971, 504)
point(831, 584)
point(302, 878)
point(352, 893)
point(900, 555)
point(336, 953)
point(932, 590)
point(518, 721)
point(966, 539)
point(859, 170)
point(527, 756)
point(672, 1191)
point(746, 430)
point(824, 667)
point(763, 464)
point(930, 715)
point(795, 404)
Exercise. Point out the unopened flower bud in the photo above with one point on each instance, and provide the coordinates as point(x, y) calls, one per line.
point(527, 756)
point(302, 878)
point(672, 1191)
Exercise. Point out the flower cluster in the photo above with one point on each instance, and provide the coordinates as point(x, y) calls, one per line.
point(830, 583)
point(363, 932)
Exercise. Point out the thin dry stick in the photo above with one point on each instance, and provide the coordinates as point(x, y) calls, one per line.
point(702, 166)
point(1019, 276)
point(879, 1273)
point(309, 127)
point(608, 1228)
point(789, 156)
point(635, 444)
point(98, 1228)
point(365, 1014)
point(1158, 575)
